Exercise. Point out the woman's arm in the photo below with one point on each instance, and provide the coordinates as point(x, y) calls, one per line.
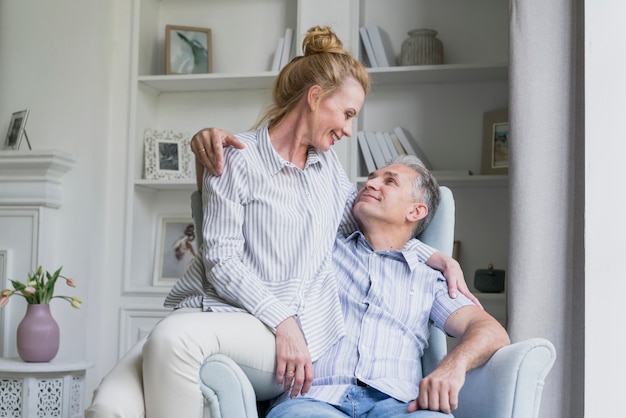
point(223, 227)
point(451, 270)
point(208, 146)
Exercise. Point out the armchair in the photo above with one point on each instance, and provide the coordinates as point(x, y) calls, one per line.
point(508, 385)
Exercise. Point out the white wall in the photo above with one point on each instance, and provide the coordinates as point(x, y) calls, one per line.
point(56, 59)
point(605, 220)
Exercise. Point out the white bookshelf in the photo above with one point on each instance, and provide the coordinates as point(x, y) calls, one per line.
point(441, 106)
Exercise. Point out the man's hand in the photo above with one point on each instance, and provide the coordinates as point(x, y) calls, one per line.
point(439, 391)
point(480, 336)
point(294, 368)
point(451, 270)
point(208, 146)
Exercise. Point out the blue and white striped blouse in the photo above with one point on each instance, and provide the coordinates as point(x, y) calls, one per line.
point(269, 228)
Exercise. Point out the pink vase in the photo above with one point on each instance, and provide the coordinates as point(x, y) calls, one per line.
point(38, 334)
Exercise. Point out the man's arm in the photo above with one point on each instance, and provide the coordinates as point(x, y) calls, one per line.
point(480, 336)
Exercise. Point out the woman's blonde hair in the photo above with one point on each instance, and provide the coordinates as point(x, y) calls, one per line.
point(325, 63)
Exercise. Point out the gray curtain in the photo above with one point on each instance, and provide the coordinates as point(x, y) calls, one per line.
point(546, 177)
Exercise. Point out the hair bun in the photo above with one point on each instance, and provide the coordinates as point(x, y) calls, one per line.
point(321, 39)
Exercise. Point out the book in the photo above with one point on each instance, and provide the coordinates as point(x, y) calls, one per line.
point(411, 146)
point(365, 151)
point(397, 144)
point(278, 53)
point(367, 45)
point(287, 48)
point(381, 44)
point(390, 145)
point(377, 154)
point(380, 137)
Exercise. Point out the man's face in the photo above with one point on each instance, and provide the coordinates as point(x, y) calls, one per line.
point(386, 196)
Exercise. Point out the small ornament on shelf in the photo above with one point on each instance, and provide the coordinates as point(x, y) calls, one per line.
point(489, 280)
point(422, 47)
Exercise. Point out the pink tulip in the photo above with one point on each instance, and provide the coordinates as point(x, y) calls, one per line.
point(70, 282)
point(30, 290)
point(3, 300)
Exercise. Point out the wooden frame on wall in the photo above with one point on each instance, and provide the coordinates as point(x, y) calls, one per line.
point(187, 50)
point(495, 152)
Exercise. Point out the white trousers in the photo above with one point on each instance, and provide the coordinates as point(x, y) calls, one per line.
point(168, 373)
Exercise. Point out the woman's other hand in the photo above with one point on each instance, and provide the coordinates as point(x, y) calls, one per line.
point(294, 368)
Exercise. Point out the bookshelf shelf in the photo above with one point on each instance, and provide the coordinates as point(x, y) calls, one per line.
point(447, 73)
point(208, 82)
point(166, 185)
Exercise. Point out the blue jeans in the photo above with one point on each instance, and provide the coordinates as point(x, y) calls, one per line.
point(358, 402)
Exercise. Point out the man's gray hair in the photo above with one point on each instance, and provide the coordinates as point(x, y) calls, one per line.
point(425, 188)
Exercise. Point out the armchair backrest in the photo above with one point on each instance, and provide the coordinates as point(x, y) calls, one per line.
point(439, 234)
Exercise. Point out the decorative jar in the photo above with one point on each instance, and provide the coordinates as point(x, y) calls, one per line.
point(422, 47)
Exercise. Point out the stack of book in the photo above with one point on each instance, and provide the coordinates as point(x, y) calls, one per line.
point(377, 45)
point(379, 148)
point(284, 50)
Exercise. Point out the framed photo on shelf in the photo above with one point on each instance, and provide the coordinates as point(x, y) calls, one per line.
point(167, 156)
point(16, 130)
point(495, 153)
point(187, 50)
point(175, 248)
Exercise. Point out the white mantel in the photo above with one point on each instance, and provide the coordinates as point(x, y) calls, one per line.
point(33, 178)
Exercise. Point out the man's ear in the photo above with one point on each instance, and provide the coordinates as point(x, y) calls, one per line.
point(417, 211)
point(313, 96)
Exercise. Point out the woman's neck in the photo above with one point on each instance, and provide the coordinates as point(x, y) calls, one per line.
point(290, 138)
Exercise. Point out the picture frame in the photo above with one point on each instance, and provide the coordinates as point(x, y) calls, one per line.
point(187, 50)
point(16, 130)
point(167, 155)
point(495, 147)
point(175, 249)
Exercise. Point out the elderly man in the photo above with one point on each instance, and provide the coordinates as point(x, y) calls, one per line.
point(389, 297)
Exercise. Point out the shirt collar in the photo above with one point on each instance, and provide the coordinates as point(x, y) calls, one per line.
point(407, 253)
point(275, 162)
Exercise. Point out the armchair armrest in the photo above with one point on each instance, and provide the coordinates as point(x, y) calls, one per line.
point(226, 389)
point(510, 383)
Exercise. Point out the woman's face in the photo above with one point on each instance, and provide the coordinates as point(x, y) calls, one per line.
point(333, 115)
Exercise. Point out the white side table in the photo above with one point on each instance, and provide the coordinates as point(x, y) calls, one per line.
point(53, 389)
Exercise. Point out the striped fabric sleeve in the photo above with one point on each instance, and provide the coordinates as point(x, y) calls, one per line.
point(222, 228)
